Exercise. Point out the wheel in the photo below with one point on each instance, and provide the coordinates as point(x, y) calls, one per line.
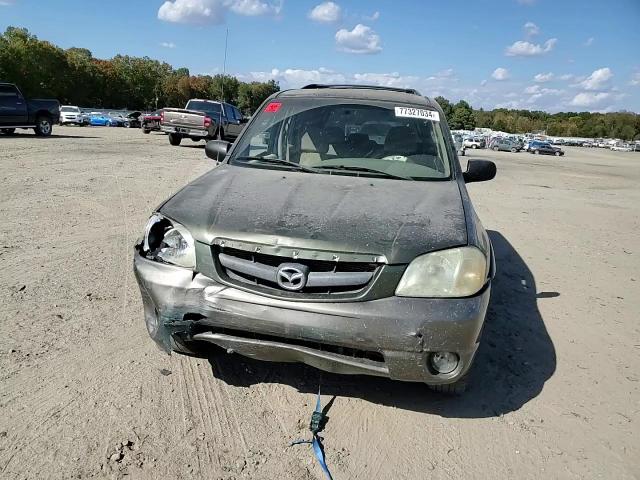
point(43, 126)
point(175, 139)
point(8, 131)
point(474, 146)
point(195, 349)
point(146, 131)
point(127, 125)
point(536, 152)
point(495, 149)
point(557, 154)
point(457, 388)
point(514, 150)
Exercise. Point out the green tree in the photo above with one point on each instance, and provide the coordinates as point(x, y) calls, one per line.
point(462, 117)
point(446, 106)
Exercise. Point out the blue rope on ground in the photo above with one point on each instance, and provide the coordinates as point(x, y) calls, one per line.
point(318, 421)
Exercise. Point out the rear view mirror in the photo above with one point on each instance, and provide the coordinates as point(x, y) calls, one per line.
point(217, 149)
point(479, 171)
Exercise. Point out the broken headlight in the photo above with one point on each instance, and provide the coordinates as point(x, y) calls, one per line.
point(168, 241)
point(456, 272)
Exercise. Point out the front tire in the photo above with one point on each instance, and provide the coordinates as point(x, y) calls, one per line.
point(44, 127)
point(557, 154)
point(536, 152)
point(175, 139)
point(514, 150)
point(474, 146)
point(146, 131)
point(452, 389)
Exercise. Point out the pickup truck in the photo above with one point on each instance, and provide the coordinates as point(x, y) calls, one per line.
point(18, 112)
point(202, 120)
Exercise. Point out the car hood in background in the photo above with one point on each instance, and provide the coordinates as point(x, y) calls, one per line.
point(335, 213)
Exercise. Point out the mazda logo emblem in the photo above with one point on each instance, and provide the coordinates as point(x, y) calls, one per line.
point(292, 276)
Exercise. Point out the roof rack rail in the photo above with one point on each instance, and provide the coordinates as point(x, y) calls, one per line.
point(410, 91)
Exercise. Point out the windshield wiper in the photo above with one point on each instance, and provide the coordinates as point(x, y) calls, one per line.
point(350, 168)
point(279, 161)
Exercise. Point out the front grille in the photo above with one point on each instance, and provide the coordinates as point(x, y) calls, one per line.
point(323, 277)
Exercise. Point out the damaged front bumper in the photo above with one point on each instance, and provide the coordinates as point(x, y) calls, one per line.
point(389, 337)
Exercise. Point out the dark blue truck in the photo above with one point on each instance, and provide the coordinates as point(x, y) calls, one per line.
point(16, 111)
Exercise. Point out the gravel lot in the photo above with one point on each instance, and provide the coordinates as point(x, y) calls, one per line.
point(85, 393)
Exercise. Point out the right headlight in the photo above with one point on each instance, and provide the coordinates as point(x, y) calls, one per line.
point(168, 241)
point(456, 272)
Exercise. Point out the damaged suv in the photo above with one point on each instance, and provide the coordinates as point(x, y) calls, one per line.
point(336, 231)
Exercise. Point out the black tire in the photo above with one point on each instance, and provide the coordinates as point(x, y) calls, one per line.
point(557, 154)
point(127, 125)
point(175, 139)
point(457, 388)
point(474, 146)
point(536, 152)
point(146, 131)
point(514, 150)
point(8, 131)
point(194, 349)
point(495, 149)
point(44, 126)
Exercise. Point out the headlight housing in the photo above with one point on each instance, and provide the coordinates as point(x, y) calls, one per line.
point(456, 272)
point(168, 241)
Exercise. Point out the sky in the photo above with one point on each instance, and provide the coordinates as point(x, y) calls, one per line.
point(552, 55)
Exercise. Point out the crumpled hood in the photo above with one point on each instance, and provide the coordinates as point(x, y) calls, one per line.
point(335, 213)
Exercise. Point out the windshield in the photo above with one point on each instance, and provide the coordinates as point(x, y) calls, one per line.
point(69, 109)
point(210, 108)
point(367, 139)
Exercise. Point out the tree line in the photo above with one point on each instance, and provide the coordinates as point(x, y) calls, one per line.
point(623, 125)
point(75, 77)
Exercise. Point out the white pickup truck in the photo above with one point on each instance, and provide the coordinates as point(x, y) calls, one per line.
point(202, 120)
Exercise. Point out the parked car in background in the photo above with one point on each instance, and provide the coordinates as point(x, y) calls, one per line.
point(474, 142)
point(71, 115)
point(134, 119)
point(151, 122)
point(117, 119)
point(396, 285)
point(16, 111)
point(622, 147)
point(545, 148)
point(506, 145)
point(202, 120)
point(99, 119)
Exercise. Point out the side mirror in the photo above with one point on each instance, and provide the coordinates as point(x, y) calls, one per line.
point(479, 171)
point(217, 149)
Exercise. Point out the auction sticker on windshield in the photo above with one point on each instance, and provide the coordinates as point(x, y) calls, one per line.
point(417, 113)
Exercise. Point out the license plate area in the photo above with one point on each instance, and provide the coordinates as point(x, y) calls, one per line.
point(182, 130)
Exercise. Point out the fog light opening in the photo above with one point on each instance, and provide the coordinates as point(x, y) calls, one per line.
point(444, 362)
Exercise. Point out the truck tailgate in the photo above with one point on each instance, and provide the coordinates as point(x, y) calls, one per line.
point(178, 117)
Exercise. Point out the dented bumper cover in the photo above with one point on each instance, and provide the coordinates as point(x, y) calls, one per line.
point(390, 337)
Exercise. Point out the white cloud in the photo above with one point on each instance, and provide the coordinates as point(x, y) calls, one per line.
point(253, 8)
point(361, 39)
point(294, 77)
point(483, 83)
point(543, 77)
point(375, 16)
point(598, 80)
point(531, 29)
point(168, 44)
point(527, 49)
point(386, 79)
point(500, 74)
point(536, 89)
point(590, 99)
point(326, 12)
point(212, 12)
point(589, 42)
point(635, 79)
point(567, 76)
point(447, 74)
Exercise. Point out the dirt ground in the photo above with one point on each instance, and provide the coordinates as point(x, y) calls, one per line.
point(84, 393)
